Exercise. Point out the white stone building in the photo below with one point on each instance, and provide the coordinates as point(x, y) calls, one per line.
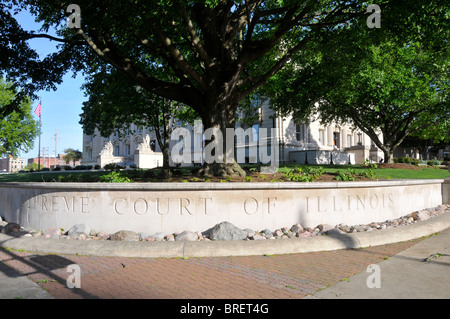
point(311, 143)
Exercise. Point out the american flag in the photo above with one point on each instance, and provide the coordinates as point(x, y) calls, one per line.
point(38, 110)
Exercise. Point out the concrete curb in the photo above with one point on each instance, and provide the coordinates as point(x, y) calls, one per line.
point(188, 249)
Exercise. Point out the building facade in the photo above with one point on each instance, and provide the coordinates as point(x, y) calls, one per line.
point(11, 164)
point(49, 161)
point(298, 142)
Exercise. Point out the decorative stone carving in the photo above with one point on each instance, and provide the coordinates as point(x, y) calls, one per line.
point(107, 149)
point(144, 147)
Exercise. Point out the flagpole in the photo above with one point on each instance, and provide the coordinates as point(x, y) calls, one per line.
point(40, 124)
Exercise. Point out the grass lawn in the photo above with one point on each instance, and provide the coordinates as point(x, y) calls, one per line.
point(385, 173)
point(93, 176)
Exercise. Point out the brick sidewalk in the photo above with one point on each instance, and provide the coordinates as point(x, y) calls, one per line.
point(254, 277)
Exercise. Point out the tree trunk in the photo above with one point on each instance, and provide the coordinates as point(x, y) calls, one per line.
point(223, 161)
point(388, 155)
point(166, 153)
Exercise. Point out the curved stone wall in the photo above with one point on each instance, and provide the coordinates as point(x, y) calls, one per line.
point(175, 207)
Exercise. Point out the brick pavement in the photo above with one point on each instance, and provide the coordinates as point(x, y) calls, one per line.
point(289, 276)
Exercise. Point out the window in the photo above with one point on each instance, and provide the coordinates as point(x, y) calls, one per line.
point(127, 149)
point(337, 139)
point(300, 132)
point(116, 150)
point(322, 137)
point(349, 140)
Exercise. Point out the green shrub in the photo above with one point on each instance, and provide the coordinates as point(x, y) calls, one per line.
point(113, 167)
point(345, 176)
point(114, 177)
point(308, 174)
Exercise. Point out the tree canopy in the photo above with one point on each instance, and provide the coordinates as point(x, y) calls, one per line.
point(394, 84)
point(18, 129)
point(208, 55)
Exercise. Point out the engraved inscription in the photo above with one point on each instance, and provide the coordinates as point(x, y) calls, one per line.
point(52, 203)
point(251, 206)
point(349, 202)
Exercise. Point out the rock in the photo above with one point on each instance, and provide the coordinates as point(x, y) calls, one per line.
point(249, 232)
point(345, 228)
point(52, 232)
point(227, 231)
point(11, 229)
point(324, 227)
point(125, 235)
point(297, 228)
point(267, 233)
point(79, 229)
point(37, 234)
point(142, 236)
point(278, 233)
point(358, 228)
point(421, 215)
point(259, 237)
point(186, 236)
point(103, 235)
point(304, 234)
point(158, 236)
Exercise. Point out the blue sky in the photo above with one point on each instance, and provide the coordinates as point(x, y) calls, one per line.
point(61, 109)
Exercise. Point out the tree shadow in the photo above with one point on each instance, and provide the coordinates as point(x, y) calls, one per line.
point(41, 264)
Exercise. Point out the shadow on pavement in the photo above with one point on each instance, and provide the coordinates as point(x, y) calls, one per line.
point(43, 265)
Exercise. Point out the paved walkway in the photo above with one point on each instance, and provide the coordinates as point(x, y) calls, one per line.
point(254, 277)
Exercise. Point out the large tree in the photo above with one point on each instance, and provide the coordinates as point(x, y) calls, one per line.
point(214, 52)
point(18, 129)
point(389, 81)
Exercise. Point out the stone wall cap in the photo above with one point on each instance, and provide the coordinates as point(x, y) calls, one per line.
point(217, 186)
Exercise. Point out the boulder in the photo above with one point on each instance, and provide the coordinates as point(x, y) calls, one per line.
point(227, 231)
point(186, 236)
point(125, 235)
